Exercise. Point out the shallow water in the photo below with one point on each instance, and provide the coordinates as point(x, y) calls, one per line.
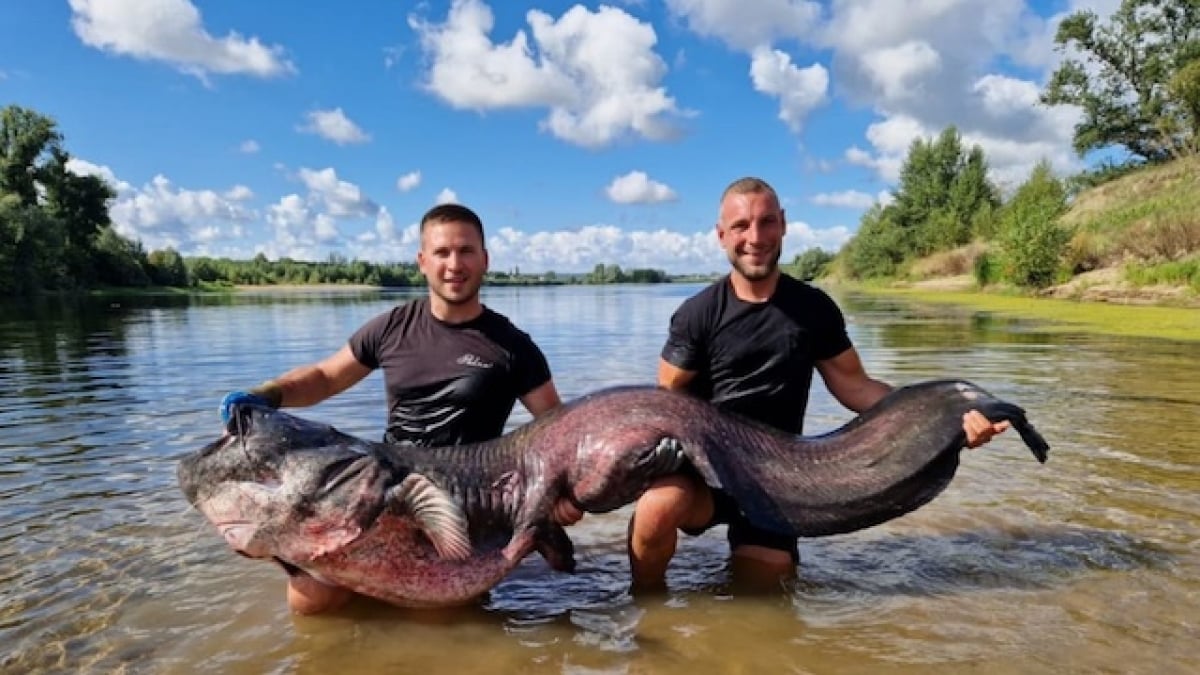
point(1090, 563)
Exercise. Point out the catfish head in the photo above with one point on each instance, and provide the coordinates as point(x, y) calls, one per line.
point(280, 486)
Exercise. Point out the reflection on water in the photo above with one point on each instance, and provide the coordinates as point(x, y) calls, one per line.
point(1088, 563)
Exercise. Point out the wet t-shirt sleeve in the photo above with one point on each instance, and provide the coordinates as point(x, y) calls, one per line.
point(828, 327)
point(530, 368)
point(367, 342)
point(685, 345)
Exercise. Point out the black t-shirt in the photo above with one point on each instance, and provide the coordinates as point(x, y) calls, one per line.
point(448, 383)
point(757, 359)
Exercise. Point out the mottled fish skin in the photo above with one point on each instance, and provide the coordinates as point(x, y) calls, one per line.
point(426, 527)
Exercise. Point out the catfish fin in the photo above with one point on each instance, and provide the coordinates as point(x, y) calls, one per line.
point(555, 545)
point(437, 514)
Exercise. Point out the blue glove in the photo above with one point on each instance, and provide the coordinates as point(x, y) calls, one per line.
point(241, 398)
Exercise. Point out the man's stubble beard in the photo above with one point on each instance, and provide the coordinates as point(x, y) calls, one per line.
point(756, 273)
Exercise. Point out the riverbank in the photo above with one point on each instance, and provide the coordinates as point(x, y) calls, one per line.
point(1131, 319)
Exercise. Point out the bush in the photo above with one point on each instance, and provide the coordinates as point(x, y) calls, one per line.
point(1030, 240)
point(987, 271)
point(877, 249)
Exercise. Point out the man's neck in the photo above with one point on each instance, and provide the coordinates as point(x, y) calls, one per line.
point(454, 313)
point(748, 290)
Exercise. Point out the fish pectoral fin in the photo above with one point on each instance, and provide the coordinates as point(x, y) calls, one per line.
point(556, 547)
point(437, 514)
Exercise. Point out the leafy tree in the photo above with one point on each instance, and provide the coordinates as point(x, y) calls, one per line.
point(26, 139)
point(878, 248)
point(810, 265)
point(166, 268)
point(943, 200)
point(1136, 83)
point(1030, 240)
point(29, 255)
point(80, 205)
point(941, 189)
point(119, 261)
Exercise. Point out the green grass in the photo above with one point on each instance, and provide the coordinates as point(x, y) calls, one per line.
point(1175, 273)
point(1170, 323)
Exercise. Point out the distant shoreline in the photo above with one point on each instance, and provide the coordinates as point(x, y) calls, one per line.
point(311, 288)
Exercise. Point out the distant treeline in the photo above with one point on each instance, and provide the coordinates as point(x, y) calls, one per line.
point(259, 271)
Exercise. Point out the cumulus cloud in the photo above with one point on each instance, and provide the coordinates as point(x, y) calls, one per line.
point(926, 65)
point(408, 181)
point(581, 249)
point(636, 187)
point(595, 72)
point(333, 125)
point(920, 66)
point(851, 199)
point(446, 196)
point(172, 31)
point(747, 26)
point(162, 215)
point(900, 71)
point(340, 198)
point(82, 167)
point(239, 193)
point(298, 229)
point(799, 90)
point(801, 237)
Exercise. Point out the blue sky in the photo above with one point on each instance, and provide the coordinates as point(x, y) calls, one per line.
point(581, 133)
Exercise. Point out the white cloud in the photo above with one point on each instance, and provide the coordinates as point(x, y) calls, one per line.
point(851, 199)
point(898, 72)
point(747, 25)
point(446, 196)
point(595, 72)
point(408, 181)
point(801, 237)
point(636, 187)
point(333, 125)
point(299, 229)
point(172, 31)
point(580, 250)
point(82, 167)
point(891, 138)
point(160, 214)
point(799, 90)
point(249, 147)
point(385, 225)
point(819, 165)
point(239, 193)
point(340, 198)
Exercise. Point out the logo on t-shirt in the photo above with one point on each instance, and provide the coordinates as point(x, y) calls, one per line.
point(473, 361)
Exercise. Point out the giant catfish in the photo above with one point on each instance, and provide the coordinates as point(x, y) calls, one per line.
point(440, 526)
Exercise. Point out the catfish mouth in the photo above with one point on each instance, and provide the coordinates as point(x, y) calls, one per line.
point(238, 534)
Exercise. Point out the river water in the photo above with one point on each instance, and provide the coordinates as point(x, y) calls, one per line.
point(1089, 563)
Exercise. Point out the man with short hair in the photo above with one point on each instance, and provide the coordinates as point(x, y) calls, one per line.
point(453, 368)
point(750, 343)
